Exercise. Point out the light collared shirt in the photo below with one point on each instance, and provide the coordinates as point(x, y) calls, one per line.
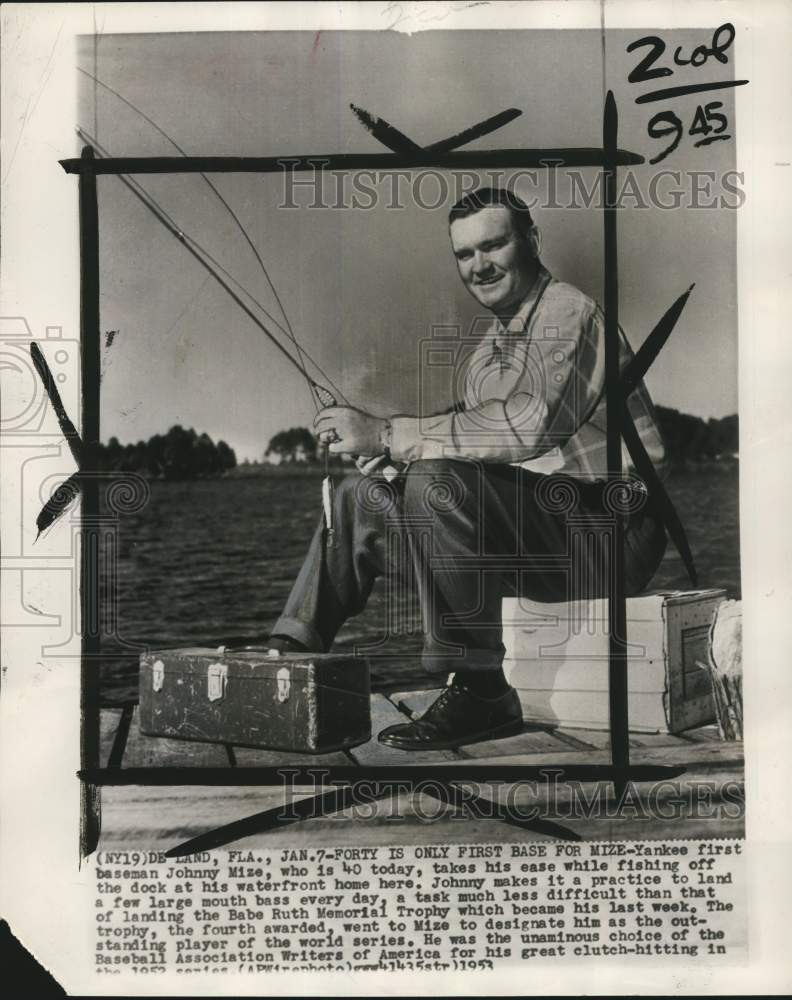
point(534, 394)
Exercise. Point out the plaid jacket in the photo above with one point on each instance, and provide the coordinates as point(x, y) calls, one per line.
point(534, 394)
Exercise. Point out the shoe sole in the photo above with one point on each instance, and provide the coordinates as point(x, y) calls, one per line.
point(499, 733)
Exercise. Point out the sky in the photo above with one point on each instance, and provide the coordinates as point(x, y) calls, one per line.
point(364, 287)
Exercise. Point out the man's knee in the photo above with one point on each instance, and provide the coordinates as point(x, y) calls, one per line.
point(644, 551)
point(438, 485)
point(365, 496)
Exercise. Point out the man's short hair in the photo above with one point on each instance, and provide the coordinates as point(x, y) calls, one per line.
point(487, 197)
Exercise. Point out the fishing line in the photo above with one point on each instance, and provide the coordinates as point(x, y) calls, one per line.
point(198, 251)
point(289, 330)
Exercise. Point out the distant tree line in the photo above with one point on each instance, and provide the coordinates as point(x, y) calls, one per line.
point(185, 454)
point(179, 454)
point(297, 444)
point(689, 438)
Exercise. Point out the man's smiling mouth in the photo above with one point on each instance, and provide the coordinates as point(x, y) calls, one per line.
point(489, 281)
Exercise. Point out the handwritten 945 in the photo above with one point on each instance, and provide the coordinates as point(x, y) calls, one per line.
point(707, 121)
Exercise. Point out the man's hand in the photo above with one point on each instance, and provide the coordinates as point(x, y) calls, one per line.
point(349, 431)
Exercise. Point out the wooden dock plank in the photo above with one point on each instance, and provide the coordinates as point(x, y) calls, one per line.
point(170, 814)
point(118, 749)
point(600, 739)
point(156, 751)
point(109, 718)
point(585, 739)
point(704, 757)
point(704, 734)
point(383, 714)
point(532, 741)
point(657, 740)
point(253, 757)
point(415, 703)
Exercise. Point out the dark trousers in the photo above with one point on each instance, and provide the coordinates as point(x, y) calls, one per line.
point(466, 534)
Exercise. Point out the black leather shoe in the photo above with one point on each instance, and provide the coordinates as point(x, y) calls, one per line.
point(455, 718)
point(285, 644)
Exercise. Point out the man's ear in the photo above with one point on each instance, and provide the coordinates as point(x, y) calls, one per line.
point(534, 238)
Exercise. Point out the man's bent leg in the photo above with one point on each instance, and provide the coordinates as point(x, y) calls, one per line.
point(459, 521)
point(477, 532)
point(339, 571)
point(444, 519)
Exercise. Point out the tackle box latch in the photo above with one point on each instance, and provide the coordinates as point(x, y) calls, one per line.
point(157, 675)
point(283, 678)
point(216, 680)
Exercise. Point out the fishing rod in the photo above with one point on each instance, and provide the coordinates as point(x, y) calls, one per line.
point(237, 222)
point(325, 397)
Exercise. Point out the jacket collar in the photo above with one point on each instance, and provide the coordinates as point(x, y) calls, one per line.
point(519, 322)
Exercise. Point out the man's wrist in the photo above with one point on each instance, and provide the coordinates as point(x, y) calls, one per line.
point(386, 435)
point(407, 442)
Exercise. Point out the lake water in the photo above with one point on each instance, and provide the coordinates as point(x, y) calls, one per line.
point(211, 562)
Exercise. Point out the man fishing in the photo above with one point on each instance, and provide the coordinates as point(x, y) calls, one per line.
point(496, 481)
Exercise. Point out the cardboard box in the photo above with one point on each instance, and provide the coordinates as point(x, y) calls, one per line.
point(557, 658)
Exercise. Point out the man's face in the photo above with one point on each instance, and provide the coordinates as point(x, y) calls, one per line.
point(495, 262)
